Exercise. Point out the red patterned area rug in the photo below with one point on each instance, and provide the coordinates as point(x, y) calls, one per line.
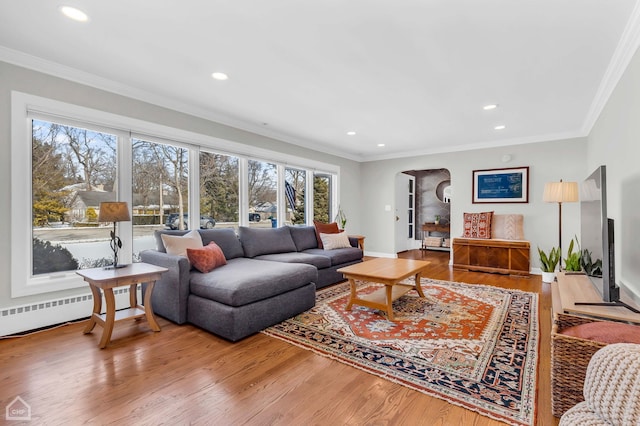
point(472, 345)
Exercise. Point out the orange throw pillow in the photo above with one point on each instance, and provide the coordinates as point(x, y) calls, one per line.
point(206, 259)
point(325, 228)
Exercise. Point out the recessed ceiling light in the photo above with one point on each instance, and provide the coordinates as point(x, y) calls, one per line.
point(500, 127)
point(73, 13)
point(489, 107)
point(351, 133)
point(380, 145)
point(219, 76)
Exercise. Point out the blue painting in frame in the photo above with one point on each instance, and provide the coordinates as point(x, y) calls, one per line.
point(501, 185)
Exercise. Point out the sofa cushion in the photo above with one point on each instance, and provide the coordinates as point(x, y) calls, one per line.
point(207, 258)
point(304, 237)
point(257, 241)
point(177, 245)
point(335, 241)
point(477, 225)
point(226, 238)
point(324, 228)
point(242, 280)
point(295, 257)
point(338, 256)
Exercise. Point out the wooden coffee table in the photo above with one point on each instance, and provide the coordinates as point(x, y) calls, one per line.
point(388, 272)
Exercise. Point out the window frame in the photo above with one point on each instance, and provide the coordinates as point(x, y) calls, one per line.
point(25, 106)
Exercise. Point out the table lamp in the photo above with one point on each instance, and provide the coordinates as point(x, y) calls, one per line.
point(114, 211)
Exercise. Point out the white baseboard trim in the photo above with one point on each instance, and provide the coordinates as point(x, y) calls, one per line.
point(380, 254)
point(19, 319)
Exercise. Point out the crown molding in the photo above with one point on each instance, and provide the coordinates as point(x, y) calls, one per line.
point(444, 149)
point(627, 47)
point(68, 73)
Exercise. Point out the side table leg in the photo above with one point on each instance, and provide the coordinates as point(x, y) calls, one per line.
point(148, 309)
point(418, 285)
point(110, 317)
point(97, 307)
point(133, 295)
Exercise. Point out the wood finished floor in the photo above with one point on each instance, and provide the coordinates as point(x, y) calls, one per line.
point(184, 375)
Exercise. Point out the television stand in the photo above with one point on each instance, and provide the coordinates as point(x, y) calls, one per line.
point(576, 295)
point(618, 303)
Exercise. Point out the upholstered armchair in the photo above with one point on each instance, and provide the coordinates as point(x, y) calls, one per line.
point(611, 389)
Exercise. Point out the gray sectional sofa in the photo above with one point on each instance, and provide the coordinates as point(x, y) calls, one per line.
point(271, 274)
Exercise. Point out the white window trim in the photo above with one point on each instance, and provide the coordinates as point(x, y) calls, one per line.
point(23, 283)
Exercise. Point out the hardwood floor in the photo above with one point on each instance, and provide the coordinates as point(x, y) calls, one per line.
point(184, 375)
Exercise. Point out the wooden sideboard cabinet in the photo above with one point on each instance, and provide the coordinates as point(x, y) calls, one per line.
point(491, 255)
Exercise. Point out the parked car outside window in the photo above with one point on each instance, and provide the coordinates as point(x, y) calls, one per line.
point(254, 217)
point(206, 222)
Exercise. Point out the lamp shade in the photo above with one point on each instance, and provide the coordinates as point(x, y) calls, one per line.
point(114, 211)
point(560, 192)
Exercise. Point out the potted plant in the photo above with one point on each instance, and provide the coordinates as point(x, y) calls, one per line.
point(573, 261)
point(437, 221)
point(548, 263)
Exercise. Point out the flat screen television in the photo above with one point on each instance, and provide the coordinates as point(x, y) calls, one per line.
point(596, 239)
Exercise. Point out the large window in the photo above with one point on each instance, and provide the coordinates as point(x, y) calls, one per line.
point(219, 190)
point(160, 177)
point(295, 196)
point(73, 171)
point(263, 192)
point(79, 157)
point(322, 211)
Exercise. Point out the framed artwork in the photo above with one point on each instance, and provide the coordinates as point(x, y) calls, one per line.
point(501, 185)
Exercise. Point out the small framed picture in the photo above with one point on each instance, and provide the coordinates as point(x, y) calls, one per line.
point(501, 185)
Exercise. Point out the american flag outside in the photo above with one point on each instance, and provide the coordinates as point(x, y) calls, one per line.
point(290, 192)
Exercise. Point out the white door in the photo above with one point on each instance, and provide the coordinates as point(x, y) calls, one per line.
point(404, 212)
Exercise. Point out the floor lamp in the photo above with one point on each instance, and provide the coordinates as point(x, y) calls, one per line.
point(114, 211)
point(560, 192)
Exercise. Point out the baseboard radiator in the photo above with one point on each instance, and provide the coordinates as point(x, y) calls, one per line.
point(23, 318)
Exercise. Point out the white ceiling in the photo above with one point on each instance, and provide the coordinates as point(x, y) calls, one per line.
point(410, 74)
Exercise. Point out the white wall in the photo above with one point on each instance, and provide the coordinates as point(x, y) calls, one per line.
point(615, 142)
point(547, 161)
point(28, 81)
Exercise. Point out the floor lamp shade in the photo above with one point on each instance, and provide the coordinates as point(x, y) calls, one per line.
point(560, 192)
point(114, 211)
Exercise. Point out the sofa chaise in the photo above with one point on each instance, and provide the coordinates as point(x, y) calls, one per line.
point(271, 275)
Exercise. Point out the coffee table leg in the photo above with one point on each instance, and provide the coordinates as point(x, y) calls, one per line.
point(352, 284)
point(110, 317)
point(418, 286)
point(97, 307)
point(148, 309)
point(389, 289)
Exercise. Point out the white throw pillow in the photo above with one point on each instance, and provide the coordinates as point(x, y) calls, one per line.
point(335, 241)
point(177, 245)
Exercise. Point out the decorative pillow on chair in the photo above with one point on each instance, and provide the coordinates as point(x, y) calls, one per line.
point(207, 258)
point(335, 241)
point(325, 228)
point(177, 245)
point(477, 225)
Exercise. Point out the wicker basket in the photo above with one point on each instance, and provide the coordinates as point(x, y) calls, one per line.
point(570, 357)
